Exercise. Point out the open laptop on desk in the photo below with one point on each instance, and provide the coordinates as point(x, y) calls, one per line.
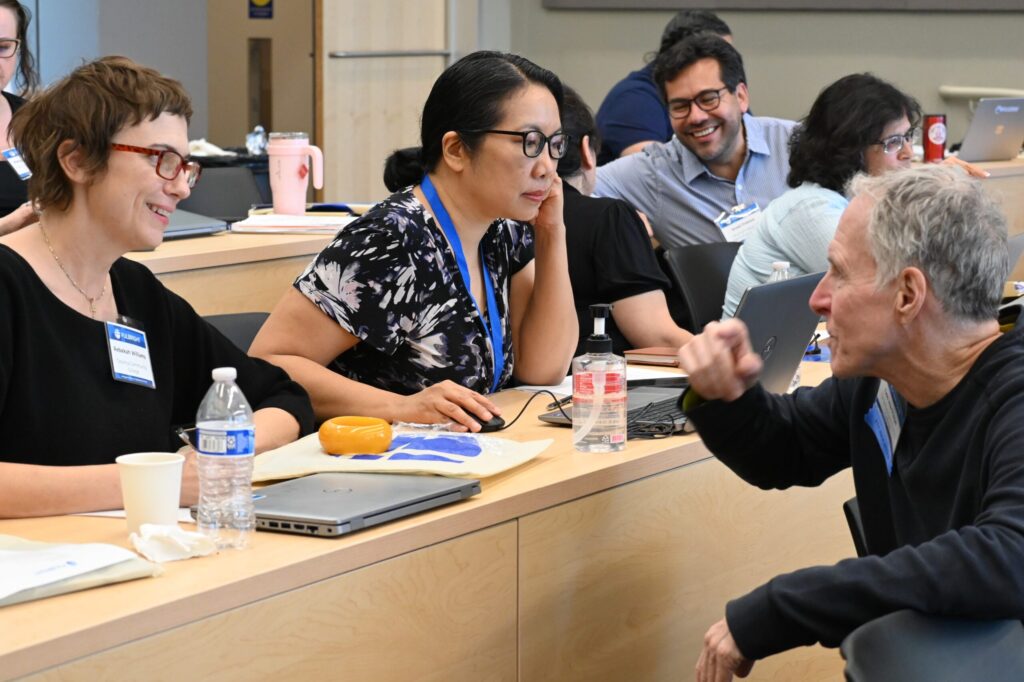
point(334, 504)
point(996, 131)
point(186, 224)
point(780, 323)
point(224, 193)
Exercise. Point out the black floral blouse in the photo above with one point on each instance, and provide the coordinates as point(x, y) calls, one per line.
point(391, 279)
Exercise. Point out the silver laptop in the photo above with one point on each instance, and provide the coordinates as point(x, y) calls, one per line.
point(185, 224)
point(781, 325)
point(996, 131)
point(334, 504)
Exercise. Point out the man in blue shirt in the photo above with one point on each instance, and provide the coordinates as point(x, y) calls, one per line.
point(633, 115)
point(720, 157)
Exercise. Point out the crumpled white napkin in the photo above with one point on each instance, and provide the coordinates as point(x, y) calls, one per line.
point(201, 147)
point(170, 543)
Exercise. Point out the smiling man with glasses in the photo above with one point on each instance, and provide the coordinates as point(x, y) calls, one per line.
point(720, 157)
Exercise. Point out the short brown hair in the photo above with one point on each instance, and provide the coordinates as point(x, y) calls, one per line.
point(88, 107)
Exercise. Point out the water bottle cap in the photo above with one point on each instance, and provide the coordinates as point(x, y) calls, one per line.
point(780, 265)
point(225, 374)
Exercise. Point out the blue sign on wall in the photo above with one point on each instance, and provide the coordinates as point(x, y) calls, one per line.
point(261, 9)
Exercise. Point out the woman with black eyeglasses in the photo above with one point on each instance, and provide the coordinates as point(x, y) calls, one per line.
point(858, 124)
point(16, 64)
point(97, 358)
point(442, 292)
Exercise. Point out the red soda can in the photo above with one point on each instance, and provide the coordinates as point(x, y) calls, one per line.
point(934, 138)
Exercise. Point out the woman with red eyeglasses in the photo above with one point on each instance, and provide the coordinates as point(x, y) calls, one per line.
point(107, 147)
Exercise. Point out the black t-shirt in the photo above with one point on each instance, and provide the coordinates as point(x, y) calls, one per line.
point(610, 258)
point(59, 404)
point(13, 190)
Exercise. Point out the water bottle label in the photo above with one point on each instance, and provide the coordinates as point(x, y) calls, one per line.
point(227, 442)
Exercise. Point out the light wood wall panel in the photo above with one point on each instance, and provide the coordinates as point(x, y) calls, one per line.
point(371, 106)
point(449, 609)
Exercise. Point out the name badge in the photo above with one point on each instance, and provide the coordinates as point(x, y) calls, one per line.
point(738, 222)
point(129, 355)
point(885, 419)
point(17, 163)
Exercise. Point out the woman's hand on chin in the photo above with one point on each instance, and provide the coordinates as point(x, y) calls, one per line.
point(446, 402)
point(22, 216)
point(549, 217)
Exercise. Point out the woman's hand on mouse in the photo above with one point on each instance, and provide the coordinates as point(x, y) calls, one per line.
point(446, 401)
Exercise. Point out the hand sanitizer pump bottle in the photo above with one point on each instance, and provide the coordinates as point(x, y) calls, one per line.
point(599, 392)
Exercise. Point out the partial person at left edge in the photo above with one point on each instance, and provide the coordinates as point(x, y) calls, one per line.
point(15, 59)
point(97, 358)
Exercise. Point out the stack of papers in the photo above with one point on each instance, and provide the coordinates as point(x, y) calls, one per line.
point(311, 223)
point(31, 570)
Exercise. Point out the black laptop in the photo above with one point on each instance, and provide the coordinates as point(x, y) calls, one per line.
point(780, 323)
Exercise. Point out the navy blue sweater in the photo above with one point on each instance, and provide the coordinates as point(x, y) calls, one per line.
point(945, 531)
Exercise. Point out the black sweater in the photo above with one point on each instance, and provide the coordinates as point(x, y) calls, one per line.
point(59, 404)
point(945, 531)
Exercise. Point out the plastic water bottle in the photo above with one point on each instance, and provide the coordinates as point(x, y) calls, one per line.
point(780, 272)
point(226, 444)
point(599, 392)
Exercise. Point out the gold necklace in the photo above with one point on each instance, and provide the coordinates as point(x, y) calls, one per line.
point(92, 300)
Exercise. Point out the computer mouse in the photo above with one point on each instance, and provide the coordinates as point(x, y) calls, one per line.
point(493, 424)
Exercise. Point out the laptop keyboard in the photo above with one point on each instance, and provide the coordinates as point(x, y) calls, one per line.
point(665, 411)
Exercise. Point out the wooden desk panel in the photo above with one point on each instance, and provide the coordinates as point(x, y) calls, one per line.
point(450, 609)
point(232, 273)
point(622, 585)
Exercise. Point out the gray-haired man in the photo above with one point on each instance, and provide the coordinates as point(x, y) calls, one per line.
point(926, 406)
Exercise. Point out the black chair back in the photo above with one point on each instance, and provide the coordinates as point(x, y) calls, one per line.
point(240, 328)
point(700, 272)
point(906, 646)
point(852, 511)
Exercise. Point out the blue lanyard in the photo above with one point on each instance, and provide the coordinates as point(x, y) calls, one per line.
point(493, 322)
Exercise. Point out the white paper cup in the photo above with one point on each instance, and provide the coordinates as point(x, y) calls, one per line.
point(151, 487)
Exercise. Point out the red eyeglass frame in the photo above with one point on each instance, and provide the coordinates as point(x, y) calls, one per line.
point(159, 154)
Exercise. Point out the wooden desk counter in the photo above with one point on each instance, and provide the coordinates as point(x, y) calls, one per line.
point(572, 567)
point(230, 273)
point(1006, 183)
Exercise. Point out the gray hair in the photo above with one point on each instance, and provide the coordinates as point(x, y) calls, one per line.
point(941, 221)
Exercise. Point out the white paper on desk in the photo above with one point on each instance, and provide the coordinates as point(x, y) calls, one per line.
point(272, 222)
point(633, 373)
point(184, 514)
point(460, 455)
point(24, 569)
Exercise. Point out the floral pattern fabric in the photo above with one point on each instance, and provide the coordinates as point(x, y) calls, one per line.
point(391, 280)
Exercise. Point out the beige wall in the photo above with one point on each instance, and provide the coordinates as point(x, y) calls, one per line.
point(790, 56)
point(228, 31)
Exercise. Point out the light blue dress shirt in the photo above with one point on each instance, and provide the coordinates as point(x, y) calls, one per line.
point(797, 227)
point(682, 198)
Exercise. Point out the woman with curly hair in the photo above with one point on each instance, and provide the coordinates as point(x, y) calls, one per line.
point(859, 124)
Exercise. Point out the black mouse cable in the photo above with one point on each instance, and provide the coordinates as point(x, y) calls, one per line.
point(662, 429)
point(556, 399)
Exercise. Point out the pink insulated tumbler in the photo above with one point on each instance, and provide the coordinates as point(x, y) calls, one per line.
point(289, 171)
